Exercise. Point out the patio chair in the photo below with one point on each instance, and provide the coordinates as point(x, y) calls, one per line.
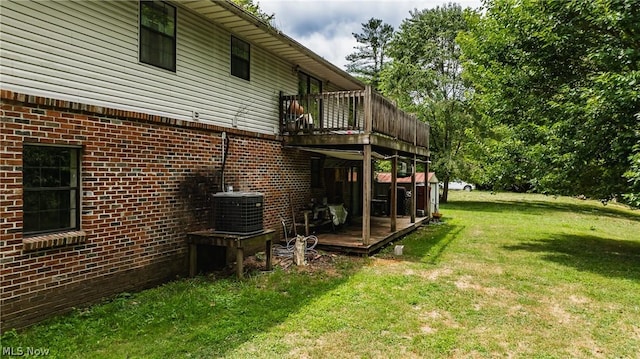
point(296, 119)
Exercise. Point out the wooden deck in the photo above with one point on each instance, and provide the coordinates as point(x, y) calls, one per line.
point(349, 239)
point(349, 118)
point(364, 123)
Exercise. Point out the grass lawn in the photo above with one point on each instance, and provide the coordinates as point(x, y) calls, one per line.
point(509, 275)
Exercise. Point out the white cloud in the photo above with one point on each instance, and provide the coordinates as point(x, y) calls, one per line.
point(334, 48)
point(326, 26)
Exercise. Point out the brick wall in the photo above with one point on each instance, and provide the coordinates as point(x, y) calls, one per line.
point(133, 222)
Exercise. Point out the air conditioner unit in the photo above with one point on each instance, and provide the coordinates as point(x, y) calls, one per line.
point(238, 212)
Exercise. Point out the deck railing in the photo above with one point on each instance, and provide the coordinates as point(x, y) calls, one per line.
point(345, 112)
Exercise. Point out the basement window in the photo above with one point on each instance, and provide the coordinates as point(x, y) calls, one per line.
point(51, 198)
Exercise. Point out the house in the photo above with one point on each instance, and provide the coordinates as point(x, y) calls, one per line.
point(110, 109)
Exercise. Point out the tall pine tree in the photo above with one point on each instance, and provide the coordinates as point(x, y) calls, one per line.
point(369, 58)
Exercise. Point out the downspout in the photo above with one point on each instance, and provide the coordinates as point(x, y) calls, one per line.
point(225, 150)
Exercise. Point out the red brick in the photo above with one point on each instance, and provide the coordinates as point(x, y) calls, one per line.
point(135, 223)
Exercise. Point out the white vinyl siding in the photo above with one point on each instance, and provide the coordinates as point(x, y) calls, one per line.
point(87, 52)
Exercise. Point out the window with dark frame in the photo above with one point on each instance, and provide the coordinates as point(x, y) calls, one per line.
point(240, 58)
point(316, 172)
point(309, 85)
point(51, 198)
point(158, 34)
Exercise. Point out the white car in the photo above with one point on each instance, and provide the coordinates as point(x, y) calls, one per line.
point(458, 185)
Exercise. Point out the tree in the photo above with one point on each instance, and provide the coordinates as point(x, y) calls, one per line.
point(563, 77)
point(633, 175)
point(424, 77)
point(254, 8)
point(368, 60)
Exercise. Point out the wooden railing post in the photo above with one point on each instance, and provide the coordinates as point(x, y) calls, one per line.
point(415, 131)
point(320, 100)
point(414, 192)
point(428, 134)
point(396, 125)
point(368, 110)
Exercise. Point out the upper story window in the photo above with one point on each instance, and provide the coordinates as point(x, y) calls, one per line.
point(158, 34)
point(240, 58)
point(50, 180)
point(308, 84)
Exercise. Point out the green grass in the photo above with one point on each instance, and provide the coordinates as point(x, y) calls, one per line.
point(505, 275)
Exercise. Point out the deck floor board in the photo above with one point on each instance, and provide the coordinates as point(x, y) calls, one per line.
point(348, 239)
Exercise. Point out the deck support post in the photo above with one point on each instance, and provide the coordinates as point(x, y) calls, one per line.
point(367, 167)
point(367, 173)
point(426, 177)
point(393, 198)
point(414, 193)
point(427, 196)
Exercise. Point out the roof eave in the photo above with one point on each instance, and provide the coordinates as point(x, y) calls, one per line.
point(301, 56)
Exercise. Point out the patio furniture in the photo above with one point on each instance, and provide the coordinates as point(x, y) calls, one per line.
point(317, 218)
point(379, 207)
point(296, 118)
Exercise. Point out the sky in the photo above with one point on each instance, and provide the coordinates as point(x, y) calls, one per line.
point(326, 26)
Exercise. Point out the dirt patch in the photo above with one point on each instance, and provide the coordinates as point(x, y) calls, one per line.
point(481, 268)
point(556, 311)
point(386, 262)
point(517, 311)
point(466, 283)
point(317, 262)
point(427, 329)
point(435, 274)
point(589, 345)
point(438, 317)
point(578, 299)
point(398, 267)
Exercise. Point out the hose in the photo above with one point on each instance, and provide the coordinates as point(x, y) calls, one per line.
point(287, 250)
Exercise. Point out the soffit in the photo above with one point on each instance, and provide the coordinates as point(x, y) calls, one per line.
point(350, 155)
point(248, 27)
